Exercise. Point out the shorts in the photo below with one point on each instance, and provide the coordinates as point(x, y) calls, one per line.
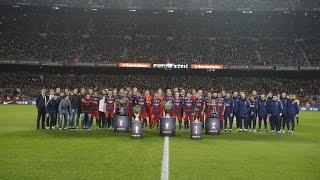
point(188, 117)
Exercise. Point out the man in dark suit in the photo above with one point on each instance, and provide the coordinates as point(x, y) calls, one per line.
point(41, 102)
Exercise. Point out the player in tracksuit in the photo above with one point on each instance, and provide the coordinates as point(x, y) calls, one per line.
point(292, 107)
point(188, 110)
point(252, 120)
point(275, 111)
point(269, 102)
point(235, 108)
point(51, 112)
point(262, 112)
point(243, 111)
point(228, 113)
point(297, 109)
point(283, 118)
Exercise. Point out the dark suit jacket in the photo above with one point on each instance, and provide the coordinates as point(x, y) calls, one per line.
point(40, 102)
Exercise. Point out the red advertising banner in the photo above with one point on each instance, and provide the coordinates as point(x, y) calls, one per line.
point(134, 65)
point(206, 66)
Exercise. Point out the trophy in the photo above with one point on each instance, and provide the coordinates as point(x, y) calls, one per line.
point(167, 108)
point(136, 111)
point(121, 104)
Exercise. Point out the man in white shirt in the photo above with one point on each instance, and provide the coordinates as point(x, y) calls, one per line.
point(102, 110)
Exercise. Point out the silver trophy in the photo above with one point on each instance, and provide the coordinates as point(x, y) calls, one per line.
point(167, 108)
point(121, 104)
point(136, 111)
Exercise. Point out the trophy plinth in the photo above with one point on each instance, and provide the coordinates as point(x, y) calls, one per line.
point(212, 125)
point(121, 124)
point(167, 126)
point(196, 130)
point(136, 129)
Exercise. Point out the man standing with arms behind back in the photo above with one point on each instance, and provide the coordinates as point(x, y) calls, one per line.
point(41, 102)
point(75, 100)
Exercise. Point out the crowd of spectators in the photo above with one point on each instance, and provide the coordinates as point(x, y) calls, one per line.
point(256, 5)
point(227, 37)
point(25, 85)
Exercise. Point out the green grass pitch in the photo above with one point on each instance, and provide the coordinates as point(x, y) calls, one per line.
point(26, 153)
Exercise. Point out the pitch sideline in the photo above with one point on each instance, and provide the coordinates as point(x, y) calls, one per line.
point(165, 160)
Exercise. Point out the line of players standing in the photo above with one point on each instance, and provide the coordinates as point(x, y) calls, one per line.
point(73, 110)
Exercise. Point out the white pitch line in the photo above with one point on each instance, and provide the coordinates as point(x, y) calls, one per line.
point(165, 160)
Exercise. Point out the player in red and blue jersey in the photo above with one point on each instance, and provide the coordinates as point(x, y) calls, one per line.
point(188, 110)
point(148, 98)
point(228, 112)
point(155, 110)
point(200, 106)
point(209, 108)
point(220, 110)
point(110, 102)
point(141, 101)
point(94, 109)
point(177, 106)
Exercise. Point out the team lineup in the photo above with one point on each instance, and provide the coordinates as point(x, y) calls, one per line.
point(77, 110)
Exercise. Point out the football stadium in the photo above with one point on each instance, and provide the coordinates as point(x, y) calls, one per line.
point(160, 89)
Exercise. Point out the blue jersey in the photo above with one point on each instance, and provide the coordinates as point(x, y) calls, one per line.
point(292, 107)
point(52, 106)
point(243, 108)
point(275, 108)
point(234, 104)
point(262, 108)
point(253, 107)
point(228, 106)
point(269, 102)
point(284, 102)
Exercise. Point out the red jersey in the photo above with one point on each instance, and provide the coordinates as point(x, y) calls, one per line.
point(156, 105)
point(220, 105)
point(148, 102)
point(188, 106)
point(86, 106)
point(209, 105)
point(110, 100)
point(142, 103)
point(94, 104)
point(200, 103)
point(177, 104)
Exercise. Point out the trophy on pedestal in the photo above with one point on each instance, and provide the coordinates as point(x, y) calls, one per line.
point(196, 126)
point(121, 123)
point(167, 123)
point(136, 124)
